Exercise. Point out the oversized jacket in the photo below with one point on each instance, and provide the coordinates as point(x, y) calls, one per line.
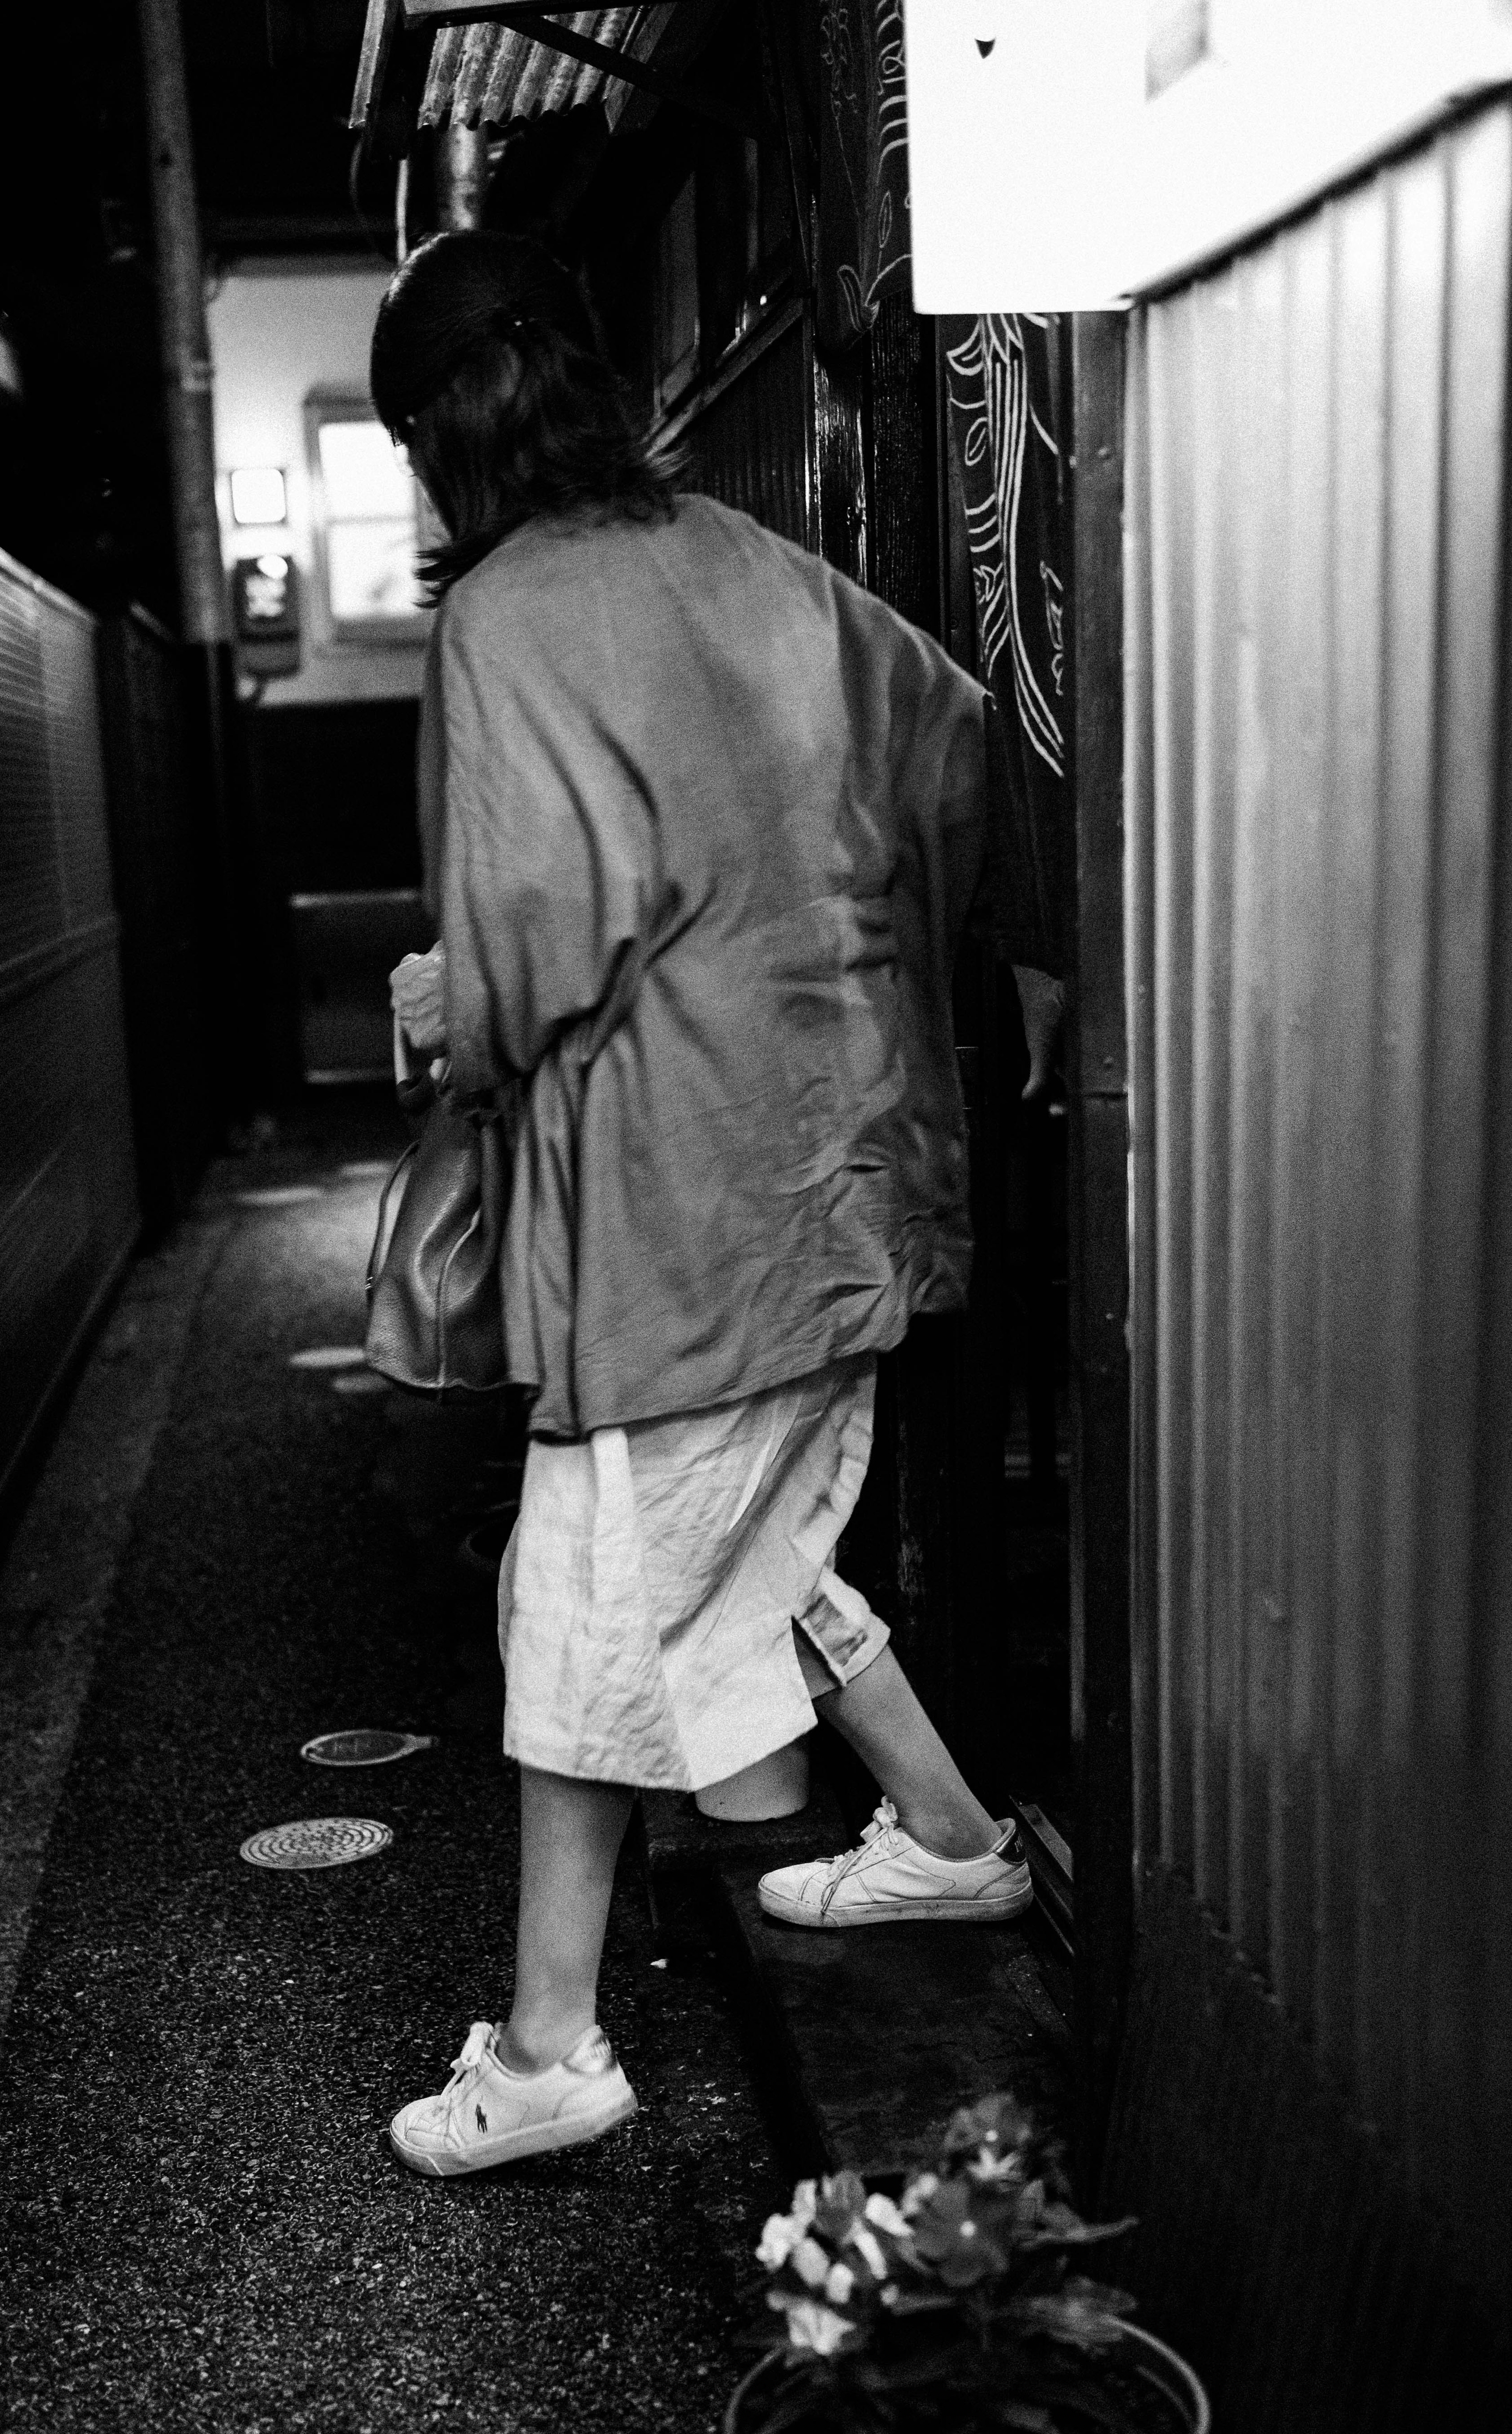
point(703, 821)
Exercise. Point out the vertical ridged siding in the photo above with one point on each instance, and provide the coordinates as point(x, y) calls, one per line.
point(752, 443)
point(68, 1210)
point(1320, 934)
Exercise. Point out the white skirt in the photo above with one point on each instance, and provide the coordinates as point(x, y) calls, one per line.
point(668, 1611)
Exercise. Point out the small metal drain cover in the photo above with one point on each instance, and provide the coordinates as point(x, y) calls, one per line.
point(359, 1382)
point(318, 1843)
point(367, 1170)
point(364, 1748)
point(279, 1195)
point(328, 1356)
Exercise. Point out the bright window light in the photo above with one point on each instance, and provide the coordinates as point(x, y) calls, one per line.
point(258, 496)
point(372, 569)
point(368, 502)
point(362, 472)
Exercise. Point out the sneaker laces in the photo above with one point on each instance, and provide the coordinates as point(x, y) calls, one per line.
point(840, 1867)
point(475, 2051)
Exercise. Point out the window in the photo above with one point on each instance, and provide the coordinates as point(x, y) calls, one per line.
point(368, 519)
point(677, 300)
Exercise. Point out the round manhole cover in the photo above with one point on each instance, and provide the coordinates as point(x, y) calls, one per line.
point(364, 1748)
point(318, 1843)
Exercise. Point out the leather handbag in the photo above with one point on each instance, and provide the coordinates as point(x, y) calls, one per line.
point(435, 1309)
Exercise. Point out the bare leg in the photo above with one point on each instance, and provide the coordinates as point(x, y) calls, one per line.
point(570, 1835)
point(881, 1717)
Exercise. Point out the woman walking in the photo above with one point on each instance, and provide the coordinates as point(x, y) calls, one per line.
point(703, 822)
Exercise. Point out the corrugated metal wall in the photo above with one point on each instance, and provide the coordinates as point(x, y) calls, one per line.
point(68, 1213)
point(1320, 875)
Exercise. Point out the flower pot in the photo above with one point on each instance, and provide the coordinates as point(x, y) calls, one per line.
point(777, 1785)
point(1148, 2365)
point(1167, 2372)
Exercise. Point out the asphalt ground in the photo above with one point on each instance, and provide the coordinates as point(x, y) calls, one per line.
point(201, 2223)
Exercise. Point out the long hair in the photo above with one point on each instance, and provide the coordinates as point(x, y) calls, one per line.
point(486, 365)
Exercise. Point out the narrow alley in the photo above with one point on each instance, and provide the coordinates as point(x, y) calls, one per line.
point(202, 2221)
point(756, 1179)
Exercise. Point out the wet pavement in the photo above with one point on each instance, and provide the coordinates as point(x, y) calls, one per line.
point(200, 2220)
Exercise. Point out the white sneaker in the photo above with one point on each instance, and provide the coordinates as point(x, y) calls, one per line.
point(890, 1877)
point(487, 2115)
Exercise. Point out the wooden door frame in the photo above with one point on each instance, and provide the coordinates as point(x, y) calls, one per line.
point(1097, 1072)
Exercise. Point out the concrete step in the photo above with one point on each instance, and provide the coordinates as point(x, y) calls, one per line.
point(881, 2033)
point(682, 1842)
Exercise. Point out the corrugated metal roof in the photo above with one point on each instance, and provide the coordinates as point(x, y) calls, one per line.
point(488, 74)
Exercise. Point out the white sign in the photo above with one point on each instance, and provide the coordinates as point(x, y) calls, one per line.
point(1063, 154)
point(1021, 119)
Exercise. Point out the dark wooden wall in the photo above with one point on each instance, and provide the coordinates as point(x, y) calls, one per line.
point(166, 888)
point(843, 454)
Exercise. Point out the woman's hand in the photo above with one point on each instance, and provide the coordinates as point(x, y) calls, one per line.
point(1043, 1001)
point(417, 988)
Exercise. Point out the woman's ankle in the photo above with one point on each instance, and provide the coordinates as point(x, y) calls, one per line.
point(529, 2046)
point(949, 1834)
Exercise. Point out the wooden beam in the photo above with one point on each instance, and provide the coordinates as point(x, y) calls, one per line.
point(779, 35)
point(1099, 1242)
point(377, 41)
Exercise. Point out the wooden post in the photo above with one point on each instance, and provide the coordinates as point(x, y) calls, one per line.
point(1098, 1246)
point(461, 174)
point(185, 344)
point(204, 611)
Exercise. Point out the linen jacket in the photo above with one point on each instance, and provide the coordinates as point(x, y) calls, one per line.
point(703, 821)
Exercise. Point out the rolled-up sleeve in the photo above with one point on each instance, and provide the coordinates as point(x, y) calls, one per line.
point(543, 898)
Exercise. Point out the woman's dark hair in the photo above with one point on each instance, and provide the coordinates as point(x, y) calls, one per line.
point(488, 366)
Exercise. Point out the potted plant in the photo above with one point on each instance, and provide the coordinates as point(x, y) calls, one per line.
point(959, 2308)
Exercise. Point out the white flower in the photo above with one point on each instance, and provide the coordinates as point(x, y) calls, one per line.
point(989, 2170)
point(780, 2236)
point(805, 2202)
point(920, 2191)
point(869, 2247)
point(811, 2263)
point(887, 2217)
point(813, 2327)
point(838, 2284)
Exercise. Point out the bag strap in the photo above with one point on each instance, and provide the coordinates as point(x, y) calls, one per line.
point(375, 1255)
point(417, 1085)
point(442, 1351)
